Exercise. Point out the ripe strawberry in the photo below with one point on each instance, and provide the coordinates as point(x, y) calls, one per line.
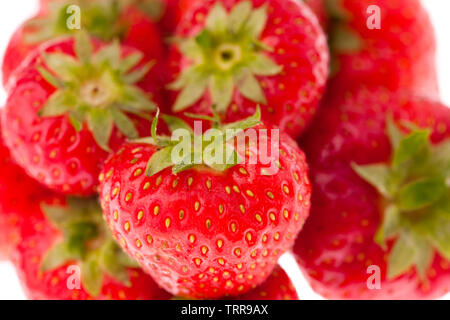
point(240, 54)
point(277, 287)
point(105, 19)
point(207, 230)
point(395, 232)
point(18, 194)
point(66, 253)
point(398, 55)
point(70, 106)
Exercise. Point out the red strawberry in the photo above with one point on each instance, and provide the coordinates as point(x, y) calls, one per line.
point(105, 19)
point(72, 257)
point(70, 106)
point(240, 54)
point(207, 230)
point(398, 55)
point(18, 195)
point(396, 233)
point(277, 287)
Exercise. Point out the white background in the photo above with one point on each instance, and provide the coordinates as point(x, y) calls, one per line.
point(13, 12)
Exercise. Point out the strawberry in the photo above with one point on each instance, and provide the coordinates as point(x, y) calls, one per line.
point(207, 230)
point(18, 195)
point(71, 105)
point(66, 253)
point(379, 220)
point(277, 287)
point(240, 54)
point(105, 19)
point(398, 55)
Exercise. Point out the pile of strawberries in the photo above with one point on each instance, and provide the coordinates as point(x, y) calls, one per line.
point(94, 206)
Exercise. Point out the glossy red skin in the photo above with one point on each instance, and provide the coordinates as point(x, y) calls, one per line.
point(175, 11)
point(337, 244)
point(400, 55)
point(38, 236)
point(18, 195)
point(171, 257)
point(320, 9)
point(141, 33)
point(78, 160)
point(277, 287)
point(293, 95)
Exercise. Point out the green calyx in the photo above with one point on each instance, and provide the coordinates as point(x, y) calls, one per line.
point(226, 55)
point(96, 88)
point(100, 18)
point(416, 190)
point(87, 242)
point(214, 149)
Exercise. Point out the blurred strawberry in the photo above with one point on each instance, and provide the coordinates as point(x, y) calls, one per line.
point(104, 19)
point(277, 287)
point(379, 224)
point(74, 103)
point(237, 55)
point(66, 253)
point(19, 194)
point(399, 53)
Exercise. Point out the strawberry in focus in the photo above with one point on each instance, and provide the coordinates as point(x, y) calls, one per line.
point(379, 218)
point(104, 19)
point(207, 230)
point(236, 55)
point(398, 53)
point(67, 253)
point(75, 102)
point(277, 287)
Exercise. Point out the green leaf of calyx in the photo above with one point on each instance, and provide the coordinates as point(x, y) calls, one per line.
point(222, 88)
point(257, 21)
point(92, 275)
point(262, 65)
point(420, 194)
point(57, 257)
point(394, 133)
point(239, 15)
point(377, 175)
point(101, 124)
point(192, 92)
point(115, 262)
point(249, 87)
point(216, 22)
point(175, 123)
point(83, 47)
point(60, 103)
point(390, 226)
point(124, 124)
point(402, 256)
point(410, 146)
point(159, 161)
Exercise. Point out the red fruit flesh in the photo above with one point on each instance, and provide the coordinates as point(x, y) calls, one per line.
point(49, 148)
point(297, 43)
point(337, 244)
point(202, 233)
point(399, 55)
point(277, 287)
